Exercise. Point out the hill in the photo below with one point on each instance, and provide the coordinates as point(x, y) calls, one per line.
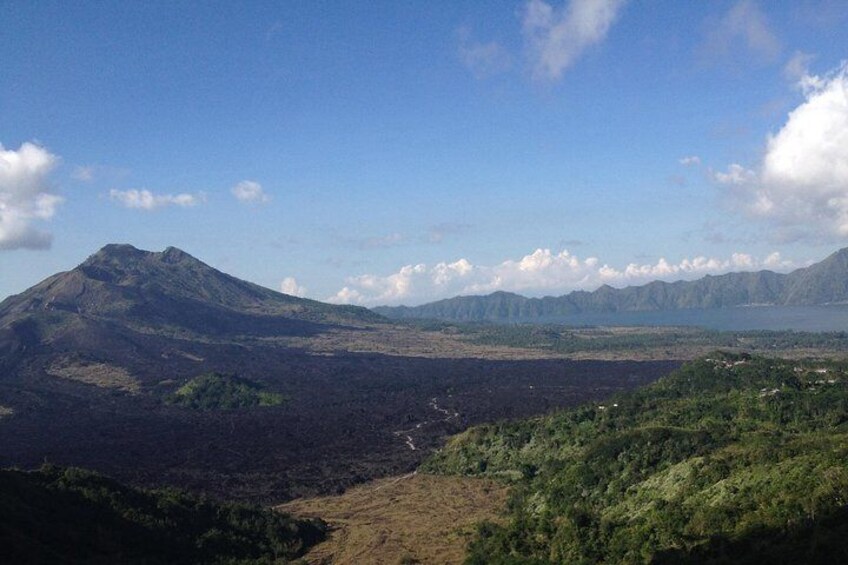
point(163, 293)
point(75, 516)
point(730, 459)
point(825, 282)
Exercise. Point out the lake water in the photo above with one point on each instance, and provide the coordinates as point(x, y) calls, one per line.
point(798, 318)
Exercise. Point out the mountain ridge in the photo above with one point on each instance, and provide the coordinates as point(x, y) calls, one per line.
point(121, 282)
point(825, 282)
point(121, 292)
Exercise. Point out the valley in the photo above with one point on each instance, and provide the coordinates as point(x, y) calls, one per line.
point(335, 428)
point(159, 371)
point(94, 359)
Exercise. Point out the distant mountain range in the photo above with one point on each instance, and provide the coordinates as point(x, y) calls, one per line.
point(825, 282)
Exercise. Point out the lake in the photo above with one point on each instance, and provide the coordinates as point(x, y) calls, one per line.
point(798, 318)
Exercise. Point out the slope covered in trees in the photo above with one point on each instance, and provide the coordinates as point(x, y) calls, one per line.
point(75, 516)
point(730, 458)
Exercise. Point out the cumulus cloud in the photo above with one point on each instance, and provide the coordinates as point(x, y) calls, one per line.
point(743, 27)
point(690, 161)
point(26, 196)
point(736, 174)
point(556, 38)
point(289, 286)
point(146, 200)
point(250, 192)
point(540, 272)
point(482, 59)
point(801, 185)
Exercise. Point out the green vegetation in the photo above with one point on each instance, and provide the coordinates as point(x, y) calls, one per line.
point(731, 458)
point(570, 340)
point(216, 391)
point(75, 516)
point(563, 339)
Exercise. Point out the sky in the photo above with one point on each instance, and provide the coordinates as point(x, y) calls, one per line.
point(403, 152)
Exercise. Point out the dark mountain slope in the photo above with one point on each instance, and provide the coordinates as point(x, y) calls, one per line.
point(825, 282)
point(169, 293)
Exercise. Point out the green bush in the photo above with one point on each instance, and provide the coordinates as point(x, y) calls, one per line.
point(217, 391)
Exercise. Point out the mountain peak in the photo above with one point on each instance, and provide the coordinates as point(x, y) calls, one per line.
point(174, 255)
point(124, 256)
point(115, 251)
point(159, 291)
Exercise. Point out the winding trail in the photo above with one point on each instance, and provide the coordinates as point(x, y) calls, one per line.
point(434, 404)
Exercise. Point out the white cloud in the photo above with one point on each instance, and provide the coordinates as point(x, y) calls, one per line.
point(83, 173)
point(540, 272)
point(146, 200)
point(26, 196)
point(482, 59)
point(736, 174)
point(690, 161)
point(250, 192)
point(557, 37)
point(744, 26)
point(289, 286)
point(775, 261)
point(801, 185)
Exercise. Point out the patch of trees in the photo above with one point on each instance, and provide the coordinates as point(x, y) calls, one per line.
point(217, 391)
point(70, 515)
point(729, 459)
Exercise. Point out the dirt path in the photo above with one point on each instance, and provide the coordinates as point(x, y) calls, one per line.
point(417, 518)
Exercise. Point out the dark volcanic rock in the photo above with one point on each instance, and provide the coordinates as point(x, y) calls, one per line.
point(90, 357)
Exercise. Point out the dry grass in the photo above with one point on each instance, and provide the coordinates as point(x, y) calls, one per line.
point(414, 519)
point(410, 342)
point(96, 374)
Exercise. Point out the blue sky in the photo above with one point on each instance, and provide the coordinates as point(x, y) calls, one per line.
point(399, 152)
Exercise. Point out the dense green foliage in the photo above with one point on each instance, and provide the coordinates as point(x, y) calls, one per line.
point(731, 458)
point(75, 516)
point(216, 391)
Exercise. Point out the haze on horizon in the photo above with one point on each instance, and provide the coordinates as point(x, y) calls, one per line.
point(385, 153)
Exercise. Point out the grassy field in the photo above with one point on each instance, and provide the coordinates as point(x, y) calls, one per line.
point(433, 339)
point(415, 518)
point(96, 374)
